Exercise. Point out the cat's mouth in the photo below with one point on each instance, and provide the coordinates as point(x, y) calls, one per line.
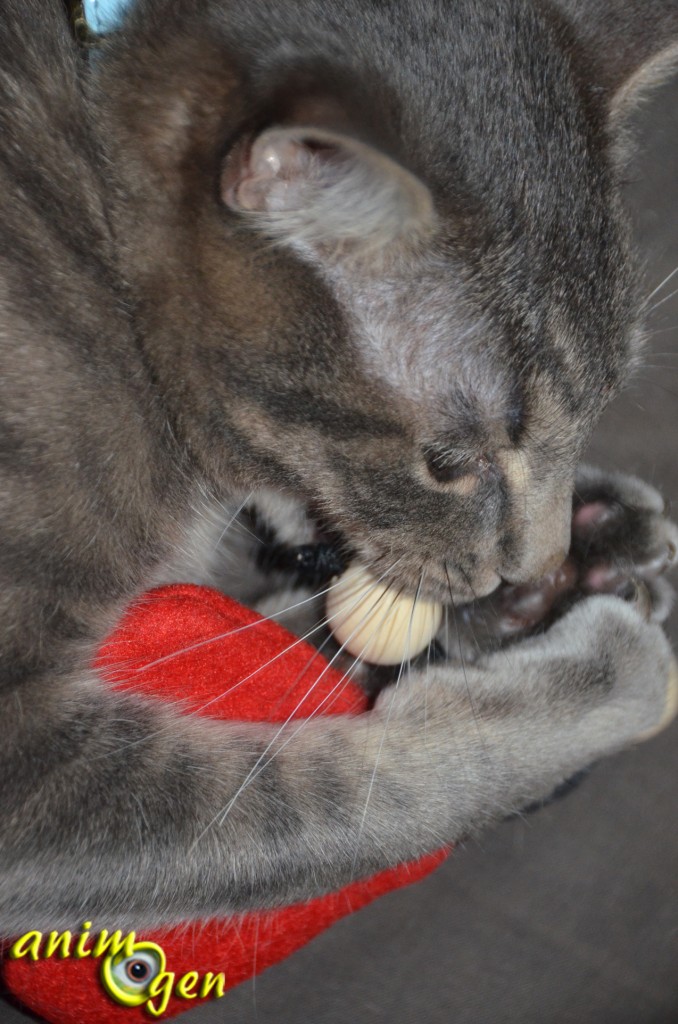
point(326, 553)
point(312, 552)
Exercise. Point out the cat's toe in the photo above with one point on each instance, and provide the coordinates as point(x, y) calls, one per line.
point(642, 586)
point(619, 524)
point(628, 539)
point(591, 517)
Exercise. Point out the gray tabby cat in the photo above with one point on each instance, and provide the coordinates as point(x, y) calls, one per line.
point(366, 259)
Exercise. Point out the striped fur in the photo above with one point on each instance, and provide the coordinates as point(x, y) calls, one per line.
point(417, 367)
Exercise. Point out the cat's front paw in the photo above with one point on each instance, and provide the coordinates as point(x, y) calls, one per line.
point(624, 659)
point(621, 537)
point(622, 544)
point(518, 723)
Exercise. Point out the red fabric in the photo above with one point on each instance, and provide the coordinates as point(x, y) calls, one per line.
point(232, 665)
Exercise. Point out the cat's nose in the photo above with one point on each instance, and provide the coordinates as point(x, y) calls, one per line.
point(531, 570)
point(541, 538)
point(485, 583)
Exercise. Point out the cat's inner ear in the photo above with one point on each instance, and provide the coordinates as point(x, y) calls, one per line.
point(316, 186)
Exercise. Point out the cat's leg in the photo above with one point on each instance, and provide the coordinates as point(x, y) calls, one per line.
point(118, 811)
point(622, 544)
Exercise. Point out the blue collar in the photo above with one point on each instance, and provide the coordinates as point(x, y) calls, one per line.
point(104, 15)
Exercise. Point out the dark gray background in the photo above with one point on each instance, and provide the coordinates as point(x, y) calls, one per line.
point(571, 915)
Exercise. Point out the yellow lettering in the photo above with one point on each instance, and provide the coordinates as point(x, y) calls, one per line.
point(79, 952)
point(114, 944)
point(186, 984)
point(160, 986)
point(213, 981)
point(56, 943)
point(27, 945)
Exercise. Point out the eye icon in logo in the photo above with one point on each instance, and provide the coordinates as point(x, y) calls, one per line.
point(127, 978)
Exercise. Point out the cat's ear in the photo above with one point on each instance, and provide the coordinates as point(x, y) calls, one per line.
point(315, 186)
point(633, 45)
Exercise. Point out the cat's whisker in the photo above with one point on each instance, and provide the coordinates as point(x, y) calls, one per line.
point(427, 674)
point(322, 623)
point(664, 370)
point(664, 330)
point(299, 640)
point(661, 302)
point(260, 668)
point(476, 717)
point(373, 776)
point(240, 525)
point(234, 522)
point(645, 381)
point(317, 652)
point(262, 761)
point(251, 625)
point(659, 287)
point(233, 632)
point(254, 968)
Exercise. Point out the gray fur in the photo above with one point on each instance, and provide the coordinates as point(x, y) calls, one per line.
point(163, 355)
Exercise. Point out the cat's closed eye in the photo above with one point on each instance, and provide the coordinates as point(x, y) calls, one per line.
point(446, 468)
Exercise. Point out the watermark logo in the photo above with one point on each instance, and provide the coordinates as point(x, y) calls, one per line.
point(132, 973)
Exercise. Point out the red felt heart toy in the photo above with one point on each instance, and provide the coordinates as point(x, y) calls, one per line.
point(233, 665)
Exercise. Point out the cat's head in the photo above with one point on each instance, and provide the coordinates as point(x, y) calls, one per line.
point(379, 254)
